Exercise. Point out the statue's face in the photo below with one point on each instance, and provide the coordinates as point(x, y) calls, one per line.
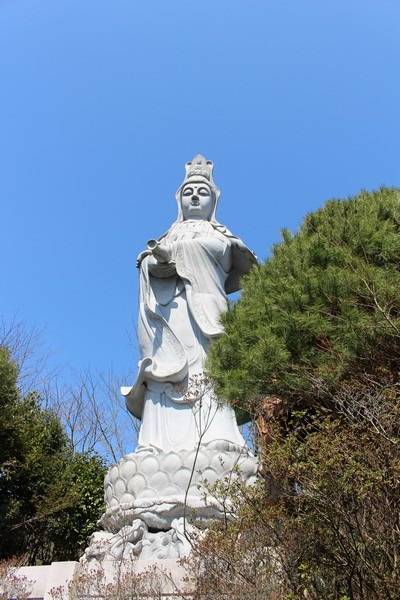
point(197, 201)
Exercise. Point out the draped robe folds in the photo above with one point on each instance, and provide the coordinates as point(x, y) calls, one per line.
point(180, 306)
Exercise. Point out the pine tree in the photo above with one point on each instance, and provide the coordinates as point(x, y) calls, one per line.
point(312, 351)
point(322, 308)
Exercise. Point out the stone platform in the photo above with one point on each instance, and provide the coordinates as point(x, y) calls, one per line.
point(156, 501)
point(65, 580)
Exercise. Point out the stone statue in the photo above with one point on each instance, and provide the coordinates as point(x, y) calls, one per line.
point(184, 278)
point(187, 441)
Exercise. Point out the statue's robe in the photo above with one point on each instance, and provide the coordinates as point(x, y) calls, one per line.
point(180, 307)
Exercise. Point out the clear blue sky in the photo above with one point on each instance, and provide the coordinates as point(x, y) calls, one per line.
point(102, 103)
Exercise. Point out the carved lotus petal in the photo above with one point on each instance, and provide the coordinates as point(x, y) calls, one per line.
point(181, 478)
point(113, 474)
point(159, 481)
point(171, 462)
point(128, 469)
point(137, 483)
point(210, 475)
point(172, 490)
point(248, 466)
point(149, 465)
point(119, 487)
point(127, 497)
point(201, 459)
point(149, 492)
point(108, 492)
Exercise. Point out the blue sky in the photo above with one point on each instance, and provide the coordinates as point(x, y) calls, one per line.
point(102, 103)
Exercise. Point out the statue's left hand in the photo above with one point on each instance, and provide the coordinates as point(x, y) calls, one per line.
point(141, 256)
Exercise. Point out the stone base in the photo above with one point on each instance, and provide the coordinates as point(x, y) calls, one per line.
point(135, 540)
point(156, 501)
point(156, 505)
point(147, 578)
point(159, 487)
point(43, 579)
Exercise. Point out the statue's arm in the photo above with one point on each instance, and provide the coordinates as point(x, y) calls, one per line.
point(141, 257)
point(220, 247)
point(158, 259)
point(157, 250)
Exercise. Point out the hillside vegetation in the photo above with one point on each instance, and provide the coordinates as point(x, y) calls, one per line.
point(312, 352)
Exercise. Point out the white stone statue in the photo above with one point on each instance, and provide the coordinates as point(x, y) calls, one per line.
point(187, 441)
point(184, 278)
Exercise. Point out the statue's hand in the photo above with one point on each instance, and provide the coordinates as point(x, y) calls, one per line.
point(159, 251)
point(141, 256)
point(162, 254)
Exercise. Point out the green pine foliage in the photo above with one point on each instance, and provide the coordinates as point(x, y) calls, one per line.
point(50, 498)
point(316, 333)
point(323, 307)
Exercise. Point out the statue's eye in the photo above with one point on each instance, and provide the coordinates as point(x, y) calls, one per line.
point(187, 191)
point(203, 191)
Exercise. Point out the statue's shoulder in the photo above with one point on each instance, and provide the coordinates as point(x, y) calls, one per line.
point(238, 246)
point(242, 259)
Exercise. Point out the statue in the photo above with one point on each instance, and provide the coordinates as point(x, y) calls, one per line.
point(184, 278)
point(187, 440)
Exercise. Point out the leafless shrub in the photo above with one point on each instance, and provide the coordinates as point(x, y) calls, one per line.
point(94, 413)
point(88, 403)
point(12, 584)
point(124, 583)
point(26, 348)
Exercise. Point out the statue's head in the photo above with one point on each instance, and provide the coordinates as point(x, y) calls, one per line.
point(198, 195)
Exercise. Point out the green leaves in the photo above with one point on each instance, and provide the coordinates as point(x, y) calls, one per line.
point(317, 331)
point(50, 498)
point(326, 303)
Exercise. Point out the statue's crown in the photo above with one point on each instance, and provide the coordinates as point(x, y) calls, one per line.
point(199, 170)
point(200, 167)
